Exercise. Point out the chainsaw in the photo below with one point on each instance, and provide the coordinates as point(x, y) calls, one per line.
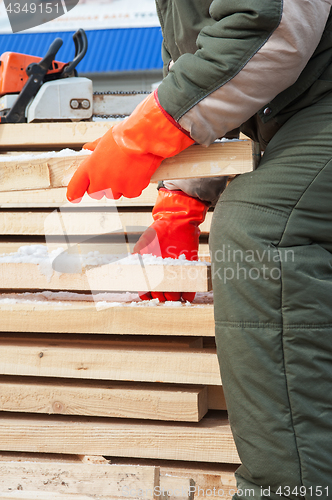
point(35, 89)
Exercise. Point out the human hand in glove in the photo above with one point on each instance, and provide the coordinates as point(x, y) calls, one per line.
point(174, 232)
point(124, 159)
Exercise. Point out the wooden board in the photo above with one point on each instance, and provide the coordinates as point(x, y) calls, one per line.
point(103, 399)
point(109, 277)
point(77, 222)
point(216, 397)
point(102, 481)
point(26, 175)
point(43, 495)
point(177, 488)
point(49, 472)
point(53, 198)
point(12, 456)
point(207, 441)
point(7, 247)
point(58, 134)
point(206, 476)
point(219, 159)
point(51, 135)
point(100, 360)
point(85, 318)
point(118, 341)
point(114, 341)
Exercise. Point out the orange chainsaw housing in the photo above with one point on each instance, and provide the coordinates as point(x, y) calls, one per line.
point(13, 75)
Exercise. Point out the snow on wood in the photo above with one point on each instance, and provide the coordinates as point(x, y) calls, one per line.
point(109, 277)
point(73, 222)
point(56, 197)
point(54, 170)
point(33, 268)
point(23, 313)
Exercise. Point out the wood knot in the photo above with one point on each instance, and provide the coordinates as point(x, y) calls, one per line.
point(58, 407)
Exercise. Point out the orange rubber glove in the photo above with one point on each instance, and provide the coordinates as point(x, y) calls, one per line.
point(125, 158)
point(174, 232)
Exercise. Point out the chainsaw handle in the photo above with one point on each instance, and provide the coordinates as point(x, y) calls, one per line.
point(81, 47)
point(46, 62)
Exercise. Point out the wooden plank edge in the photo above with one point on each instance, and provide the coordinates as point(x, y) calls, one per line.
point(207, 441)
point(220, 159)
point(109, 277)
point(103, 399)
point(82, 317)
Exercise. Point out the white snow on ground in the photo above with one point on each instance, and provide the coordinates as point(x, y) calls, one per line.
point(102, 300)
point(42, 156)
point(38, 254)
point(63, 153)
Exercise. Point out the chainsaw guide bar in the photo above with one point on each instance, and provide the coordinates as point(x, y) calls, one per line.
point(116, 104)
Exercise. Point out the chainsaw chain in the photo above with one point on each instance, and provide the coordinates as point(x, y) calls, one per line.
point(118, 92)
point(123, 92)
point(106, 117)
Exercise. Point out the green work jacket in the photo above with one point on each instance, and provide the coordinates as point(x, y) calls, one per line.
point(248, 64)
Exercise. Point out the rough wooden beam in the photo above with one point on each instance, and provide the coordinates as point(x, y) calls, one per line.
point(103, 399)
point(77, 222)
point(57, 134)
point(206, 476)
point(53, 198)
point(80, 358)
point(177, 488)
point(46, 472)
point(220, 159)
point(93, 459)
point(116, 341)
point(109, 277)
point(7, 247)
point(51, 135)
point(12, 456)
point(84, 317)
point(15, 176)
point(92, 481)
point(43, 495)
point(207, 441)
point(216, 398)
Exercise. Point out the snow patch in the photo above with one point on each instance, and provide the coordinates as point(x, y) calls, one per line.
point(47, 155)
point(38, 254)
point(101, 300)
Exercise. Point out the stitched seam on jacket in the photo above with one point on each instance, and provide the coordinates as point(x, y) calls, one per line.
point(286, 377)
point(260, 324)
point(215, 87)
point(299, 199)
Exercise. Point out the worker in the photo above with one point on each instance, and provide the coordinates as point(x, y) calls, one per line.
point(264, 66)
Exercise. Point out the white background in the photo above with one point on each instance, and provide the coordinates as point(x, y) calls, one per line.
point(95, 14)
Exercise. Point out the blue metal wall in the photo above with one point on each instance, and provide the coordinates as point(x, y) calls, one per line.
point(125, 49)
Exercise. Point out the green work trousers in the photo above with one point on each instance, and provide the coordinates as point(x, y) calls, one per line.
point(271, 249)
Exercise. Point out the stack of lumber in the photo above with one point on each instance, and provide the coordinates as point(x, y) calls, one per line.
point(87, 373)
point(27, 476)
